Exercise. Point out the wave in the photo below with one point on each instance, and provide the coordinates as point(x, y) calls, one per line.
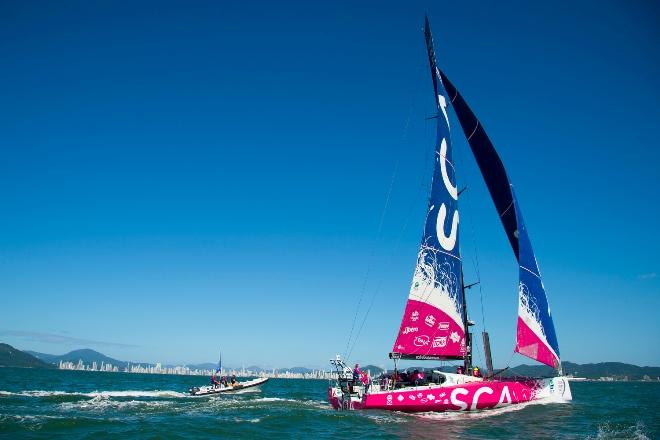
point(127, 393)
point(146, 402)
point(103, 403)
point(385, 419)
point(607, 431)
point(21, 418)
point(321, 404)
point(272, 399)
point(246, 403)
point(231, 400)
point(480, 414)
point(246, 391)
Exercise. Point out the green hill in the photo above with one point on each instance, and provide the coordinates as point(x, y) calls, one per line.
point(48, 358)
point(11, 357)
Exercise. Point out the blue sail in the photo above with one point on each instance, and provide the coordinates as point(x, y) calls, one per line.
point(489, 162)
point(433, 322)
point(536, 336)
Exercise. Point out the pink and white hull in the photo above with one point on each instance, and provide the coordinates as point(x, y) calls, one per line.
point(473, 394)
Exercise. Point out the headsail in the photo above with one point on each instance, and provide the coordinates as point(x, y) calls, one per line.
point(536, 336)
point(433, 321)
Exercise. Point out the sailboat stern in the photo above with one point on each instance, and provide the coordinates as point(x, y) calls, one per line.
point(554, 389)
point(342, 399)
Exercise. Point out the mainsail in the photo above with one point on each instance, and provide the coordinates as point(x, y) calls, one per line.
point(536, 336)
point(433, 321)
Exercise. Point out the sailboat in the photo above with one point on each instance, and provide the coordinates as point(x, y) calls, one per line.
point(435, 323)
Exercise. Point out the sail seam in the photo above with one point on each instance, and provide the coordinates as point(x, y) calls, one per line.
point(474, 131)
point(447, 160)
point(507, 208)
point(447, 253)
point(537, 276)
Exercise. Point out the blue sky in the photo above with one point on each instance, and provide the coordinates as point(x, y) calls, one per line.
point(181, 177)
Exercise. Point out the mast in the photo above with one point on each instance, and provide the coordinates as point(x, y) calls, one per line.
point(467, 359)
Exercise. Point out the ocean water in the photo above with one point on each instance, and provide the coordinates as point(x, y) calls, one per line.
point(53, 404)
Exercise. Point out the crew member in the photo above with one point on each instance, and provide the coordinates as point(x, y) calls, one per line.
point(364, 377)
point(356, 373)
point(418, 377)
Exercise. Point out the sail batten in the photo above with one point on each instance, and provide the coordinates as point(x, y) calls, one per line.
point(535, 335)
point(433, 326)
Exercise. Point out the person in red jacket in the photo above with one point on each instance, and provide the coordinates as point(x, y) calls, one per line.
point(356, 373)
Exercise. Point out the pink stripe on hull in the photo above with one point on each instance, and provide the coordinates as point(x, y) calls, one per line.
point(465, 397)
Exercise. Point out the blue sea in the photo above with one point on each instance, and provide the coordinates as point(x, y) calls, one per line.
point(52, 404)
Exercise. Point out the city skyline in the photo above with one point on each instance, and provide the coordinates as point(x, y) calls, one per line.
point(602, 372)
point(252, 179)
point(158, 368)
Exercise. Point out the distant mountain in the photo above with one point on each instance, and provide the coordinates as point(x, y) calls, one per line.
point(373, 370)
point(49, 358)
point(87, 355)
point(11, 357)
point(618, 370)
